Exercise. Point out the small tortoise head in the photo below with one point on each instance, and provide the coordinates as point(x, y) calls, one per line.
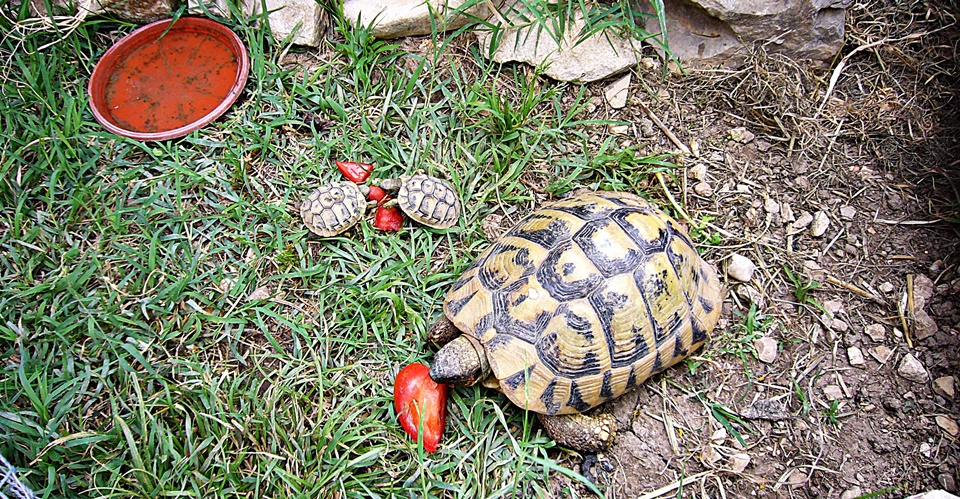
point(462, 362)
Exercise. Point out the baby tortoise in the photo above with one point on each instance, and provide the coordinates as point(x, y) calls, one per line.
point(335, 207)
point(426, 199)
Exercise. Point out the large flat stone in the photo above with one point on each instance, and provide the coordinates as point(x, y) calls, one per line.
point(704, 33)
point(399, 18)
point(303, 21)
point(592, 59)
point(134, 11)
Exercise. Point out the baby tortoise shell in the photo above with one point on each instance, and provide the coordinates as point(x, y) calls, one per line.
point(584, 299)
point(333, 208)
point(428, 200)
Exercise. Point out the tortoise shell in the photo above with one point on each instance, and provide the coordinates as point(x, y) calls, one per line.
point(333, 208)
point(584, 299)
point(429, 200)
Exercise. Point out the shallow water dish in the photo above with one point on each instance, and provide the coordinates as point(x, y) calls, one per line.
point(164, 81)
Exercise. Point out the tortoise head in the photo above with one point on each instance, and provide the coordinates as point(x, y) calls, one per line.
point(461, 362)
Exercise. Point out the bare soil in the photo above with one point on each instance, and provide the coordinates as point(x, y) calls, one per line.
point(832, 415)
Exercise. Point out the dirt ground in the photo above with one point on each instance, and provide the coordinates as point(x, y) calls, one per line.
point(833, 414)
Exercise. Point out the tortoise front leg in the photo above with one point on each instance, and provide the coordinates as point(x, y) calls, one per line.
point(587, 434)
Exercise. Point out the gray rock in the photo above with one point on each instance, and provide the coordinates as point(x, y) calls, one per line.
point(911, 369)
point(739, 462)
point(876, 332)
point(705, 33)
point(820, 224)
point(834, 307)
point(925, 325)
point(771, 206)
point(594, 58)
point(698, 171)
point(947, 424)
point(771, 410)
point(786, 213)
point(201, 7)
point(802, 222)
point(742, 135)
point(703, 189)
point(399, 18)
point(856, 357)
point(944, 386)
point(851, 493)
point(616, 92)
point(848, 212)
point(766, 349)
point(934, 494)
point(301, 20)
point(922, 289)
point(881, 352)
point(740, 268)
point(134, 11)
point(833, 392)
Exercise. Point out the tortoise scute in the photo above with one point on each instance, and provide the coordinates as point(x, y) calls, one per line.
point(585, 298)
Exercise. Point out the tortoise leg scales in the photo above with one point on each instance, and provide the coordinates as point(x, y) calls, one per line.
point(587, 434)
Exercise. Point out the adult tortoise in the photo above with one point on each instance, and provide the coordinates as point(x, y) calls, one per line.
point(578, 303)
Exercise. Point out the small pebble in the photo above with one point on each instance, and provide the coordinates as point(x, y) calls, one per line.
point(911, 369)
point(740, 268)
point(739, 462)
point(752, 295)
point(771, 206)
point(710, 456)
point(949, 484)
point(848, 212)
point(833, 306)
point(944, 386)
point(703, 189)
point(786, 213)
point(801, 223)
point(766, 349)
point(839, 326)
point(856, 357)
point(948, 425)
point(887, 287)
point(646, 127)
point(833, 392)
point(616, 92)
point(895, 202)
point(741, 135)
point(852, 493)
point(820, 224)
point(876, 332)
point(261, 293)
point(698, 171)
point(881, 352)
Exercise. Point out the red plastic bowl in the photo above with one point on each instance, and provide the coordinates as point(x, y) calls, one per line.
point(158, 83)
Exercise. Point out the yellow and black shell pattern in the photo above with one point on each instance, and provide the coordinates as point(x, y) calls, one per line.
point(430, 201)
point(584, 299)
point(333, 208)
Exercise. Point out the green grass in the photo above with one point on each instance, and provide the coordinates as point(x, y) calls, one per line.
point(132, 361)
